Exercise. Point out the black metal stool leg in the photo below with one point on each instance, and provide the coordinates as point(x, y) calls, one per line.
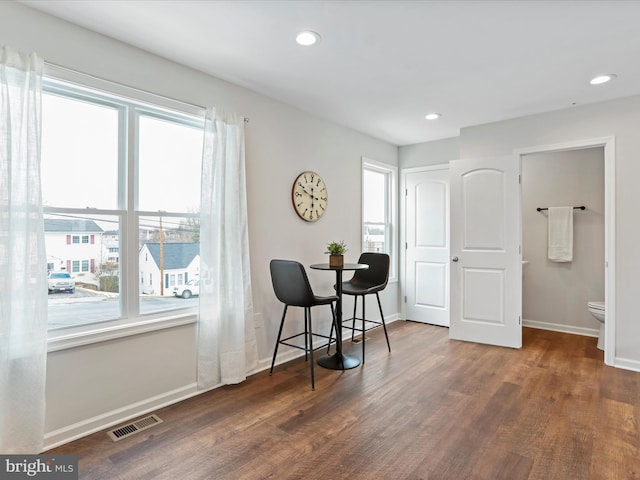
point(363, 326)
point(333, 325)
point(275, 351)
point(384, 325)
point(353, 319)
point(306, 336)
point(313, 381)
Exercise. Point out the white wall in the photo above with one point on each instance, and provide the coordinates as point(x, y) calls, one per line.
point(92, 386)
point(555, 295)
point(430, 153)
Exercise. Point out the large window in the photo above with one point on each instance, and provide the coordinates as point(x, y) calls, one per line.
point(379, 210)
point(121, 195)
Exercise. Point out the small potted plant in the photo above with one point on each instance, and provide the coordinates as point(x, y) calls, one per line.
point(336, 251)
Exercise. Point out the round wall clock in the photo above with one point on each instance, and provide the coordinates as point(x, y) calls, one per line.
point(309, 196)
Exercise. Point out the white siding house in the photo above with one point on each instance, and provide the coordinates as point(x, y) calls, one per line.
point(111, 247)
point(73, 245)
point(181, 264)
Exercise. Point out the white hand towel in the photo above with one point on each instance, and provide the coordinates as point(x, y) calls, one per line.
point(561, 234)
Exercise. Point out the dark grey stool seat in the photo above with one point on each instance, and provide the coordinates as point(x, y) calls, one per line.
point(291, 286)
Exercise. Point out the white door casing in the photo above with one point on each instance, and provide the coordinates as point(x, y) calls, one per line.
point(486, 268)
point(427, 245)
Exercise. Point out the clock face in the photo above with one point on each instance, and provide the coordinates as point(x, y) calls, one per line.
point(309, 196)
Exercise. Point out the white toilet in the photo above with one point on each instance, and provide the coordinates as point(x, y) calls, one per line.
point(597, 310)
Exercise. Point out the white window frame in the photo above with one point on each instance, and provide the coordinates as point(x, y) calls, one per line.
point(67, 81)
point(391, 211)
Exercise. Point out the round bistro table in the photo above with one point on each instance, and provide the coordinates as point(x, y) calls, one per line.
point(338, 360)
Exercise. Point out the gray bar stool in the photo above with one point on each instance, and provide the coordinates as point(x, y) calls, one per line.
point(291, 286)
point(367, 282)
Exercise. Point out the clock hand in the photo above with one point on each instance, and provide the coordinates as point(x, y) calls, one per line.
point(302, 188)
point(311, 194)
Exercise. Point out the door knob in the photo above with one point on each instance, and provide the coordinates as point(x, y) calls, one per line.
point(454, 259)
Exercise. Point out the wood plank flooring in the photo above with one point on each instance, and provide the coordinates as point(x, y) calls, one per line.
point(431, 409)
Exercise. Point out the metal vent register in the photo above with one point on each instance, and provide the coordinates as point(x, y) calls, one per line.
point(133, 427)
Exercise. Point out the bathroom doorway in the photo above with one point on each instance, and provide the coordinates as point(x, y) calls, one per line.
point(555, 295)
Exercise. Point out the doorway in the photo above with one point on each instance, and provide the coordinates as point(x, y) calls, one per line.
point(608, 145)
point(555, 294)
point(426, 241)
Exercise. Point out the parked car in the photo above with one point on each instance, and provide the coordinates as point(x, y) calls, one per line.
point(192, 287)
point(61, 282)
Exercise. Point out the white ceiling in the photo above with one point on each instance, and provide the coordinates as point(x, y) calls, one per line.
point(383, 65)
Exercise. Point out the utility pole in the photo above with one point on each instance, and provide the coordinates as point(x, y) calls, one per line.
point(161, 260)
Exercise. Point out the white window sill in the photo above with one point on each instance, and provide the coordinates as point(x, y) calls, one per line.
point(96, 335)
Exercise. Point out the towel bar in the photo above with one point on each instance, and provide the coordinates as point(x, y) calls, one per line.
point(582, 207)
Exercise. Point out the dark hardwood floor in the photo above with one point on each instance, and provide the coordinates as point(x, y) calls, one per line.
point(431, 409)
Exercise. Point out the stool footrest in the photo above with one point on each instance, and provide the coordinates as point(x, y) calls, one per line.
point(284, 341)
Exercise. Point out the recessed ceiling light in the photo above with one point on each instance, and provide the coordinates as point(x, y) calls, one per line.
point(307, 38)
point(432, 116)
point(602, 79)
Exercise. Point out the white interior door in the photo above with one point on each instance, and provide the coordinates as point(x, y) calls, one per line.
point(427, 246)
point(486, 268)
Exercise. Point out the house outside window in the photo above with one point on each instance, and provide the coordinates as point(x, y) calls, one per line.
point(379, 218)
point(123, 141)
point(61, 251)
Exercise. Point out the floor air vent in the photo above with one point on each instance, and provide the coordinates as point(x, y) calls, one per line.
point(134, 427)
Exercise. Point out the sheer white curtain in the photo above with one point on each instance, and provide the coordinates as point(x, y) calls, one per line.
point(227, 347)
point(23, 261)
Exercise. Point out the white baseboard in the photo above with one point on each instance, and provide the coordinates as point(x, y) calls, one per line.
point(115, 417)
point(557, 327)
point(627, 364)
point(121, 415)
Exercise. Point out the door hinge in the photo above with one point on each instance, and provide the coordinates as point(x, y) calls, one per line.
point(406, 245)
point(520, 179)
point(406, 192)
point(405, 299)
point(519, 320)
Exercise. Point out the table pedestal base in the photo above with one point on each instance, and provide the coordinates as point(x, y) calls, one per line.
point(339, 361)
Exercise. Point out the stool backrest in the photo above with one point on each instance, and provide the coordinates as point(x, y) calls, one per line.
point(378, 272)
point(291, 284)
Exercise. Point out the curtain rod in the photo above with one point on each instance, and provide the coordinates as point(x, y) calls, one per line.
point(581, 207)
point(74, 73)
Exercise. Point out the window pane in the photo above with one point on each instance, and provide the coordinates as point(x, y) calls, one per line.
point(374, 239)
point(170, 159)
point(375, 200)
point(374, 196)
point(88, 151)
point(83, 284)
point(79, 153)
point(169, 253)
